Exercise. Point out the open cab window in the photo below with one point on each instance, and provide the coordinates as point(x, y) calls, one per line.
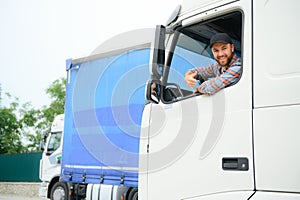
point(190, 48)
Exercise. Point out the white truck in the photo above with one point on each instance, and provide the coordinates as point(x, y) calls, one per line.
point(243, 141)
point(240, 143)
point(50, 163)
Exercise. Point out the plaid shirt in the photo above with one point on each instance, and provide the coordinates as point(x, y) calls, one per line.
point(216, 77)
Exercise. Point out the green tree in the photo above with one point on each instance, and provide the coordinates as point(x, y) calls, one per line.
point(29, 119)
point(10, 128)
point(22, 126)
point(56, 92)
point(41, 119)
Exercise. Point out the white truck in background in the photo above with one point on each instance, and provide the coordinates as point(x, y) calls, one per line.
point(50, 164)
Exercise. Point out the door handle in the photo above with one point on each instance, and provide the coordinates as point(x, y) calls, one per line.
point(235, 164)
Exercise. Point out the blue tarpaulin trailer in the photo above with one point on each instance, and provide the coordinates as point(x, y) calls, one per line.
point(104, 104)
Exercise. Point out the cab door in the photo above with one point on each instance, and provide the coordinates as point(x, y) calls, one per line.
point(198, 145)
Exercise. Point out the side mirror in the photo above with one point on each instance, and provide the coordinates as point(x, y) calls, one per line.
point(42, 145)
point(43, 140)
point(153, 91)
point(158, 53)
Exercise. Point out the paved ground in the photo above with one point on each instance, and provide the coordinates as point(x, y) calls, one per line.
point(19, 191)
point(17, 197)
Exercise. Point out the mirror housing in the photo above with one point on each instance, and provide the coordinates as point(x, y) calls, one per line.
point(174, 15)
point(44, 139)
point(42, 145)
point(158, 53)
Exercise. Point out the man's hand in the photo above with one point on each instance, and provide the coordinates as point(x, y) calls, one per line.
point(153, 89)
point(197, 90)
point(190, 78)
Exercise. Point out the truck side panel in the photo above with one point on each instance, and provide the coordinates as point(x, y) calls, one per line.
point(276, 41)
point(276, 97)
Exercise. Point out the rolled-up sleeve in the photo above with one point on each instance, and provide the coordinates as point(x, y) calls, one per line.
point(229, 77)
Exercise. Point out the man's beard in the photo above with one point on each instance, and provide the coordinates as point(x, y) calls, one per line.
point(229, 58)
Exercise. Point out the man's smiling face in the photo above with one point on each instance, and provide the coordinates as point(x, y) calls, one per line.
point(223, 53)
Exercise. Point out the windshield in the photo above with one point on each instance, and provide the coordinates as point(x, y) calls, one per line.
point(54, 141)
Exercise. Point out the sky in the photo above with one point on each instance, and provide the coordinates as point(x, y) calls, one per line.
point(37, 36)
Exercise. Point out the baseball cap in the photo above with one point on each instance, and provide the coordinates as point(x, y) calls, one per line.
point(220, 37)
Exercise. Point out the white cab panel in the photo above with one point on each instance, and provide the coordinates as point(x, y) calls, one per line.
point(276, 52)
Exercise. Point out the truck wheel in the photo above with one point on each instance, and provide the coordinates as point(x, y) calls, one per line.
point(59, 191)
point(133, 194)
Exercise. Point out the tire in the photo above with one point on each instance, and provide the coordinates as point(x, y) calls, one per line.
point(59, 191)
point(133, 194)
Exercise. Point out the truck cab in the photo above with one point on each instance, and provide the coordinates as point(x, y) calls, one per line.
point(50, 164)
point(241, 142)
